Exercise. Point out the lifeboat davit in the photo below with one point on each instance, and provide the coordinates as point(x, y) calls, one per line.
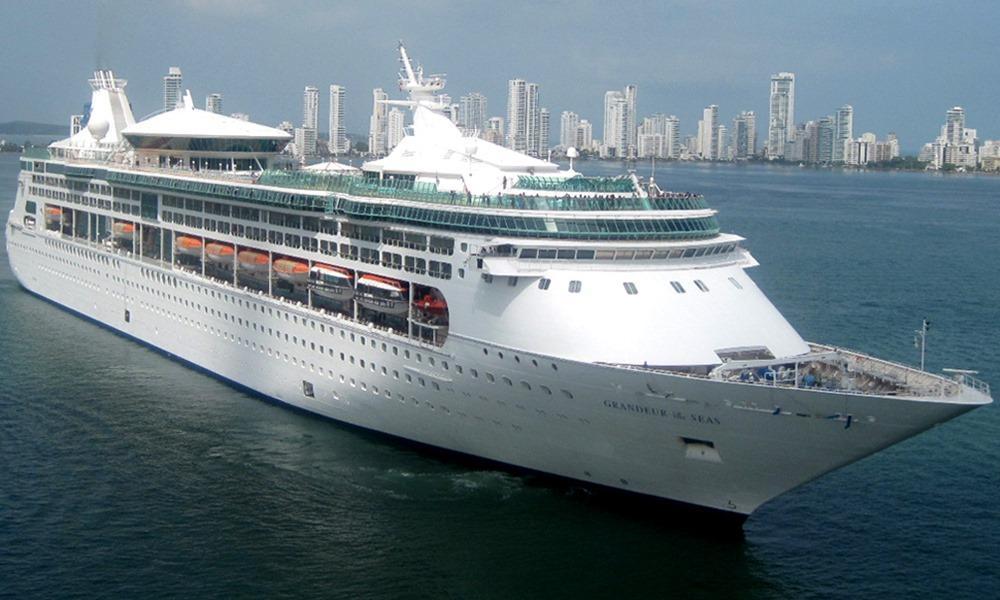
point(253, 260)
point(123, 230)
point(186, 244)
point(292, 271)
point(219, 252)
point(331, 282)
point(382, 294)
point(53, 214)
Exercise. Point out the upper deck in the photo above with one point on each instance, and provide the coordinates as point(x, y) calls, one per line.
point(553, 213)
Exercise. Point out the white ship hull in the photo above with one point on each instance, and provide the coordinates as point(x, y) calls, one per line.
point(713, 444)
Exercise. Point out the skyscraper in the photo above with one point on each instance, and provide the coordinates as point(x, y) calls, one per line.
point(584, 135)
point(615, 124)
point(844, 132)
point(568, 122)
point(631, 141)
point(826, 131)
point(672, 135)
point(744, 135)
point(338, 133)
point(310, 119)
point(172, 88)
point(213, 103)
point(377, 123)
point(781, 120)
point(395, 123)
point(310, 107)
point(708, 133)
point(652, 137)
point(522, 116)
point(544, 129)
point(954, 126)
point(472, 113)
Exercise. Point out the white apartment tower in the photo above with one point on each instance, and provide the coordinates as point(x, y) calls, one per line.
point(377, 123)
point(395, 128)
point(472, 113)
point(615, 124)
point(744, 135)
point(172, 88)
point(781, 120)
point(568, 122)
point(310, 107)
point(213, 103)
point(522, 116)
point(544, 129)
point(631, 141)
point(843, 132)
point(338, 133)
point(708, 133)
point(584, 135)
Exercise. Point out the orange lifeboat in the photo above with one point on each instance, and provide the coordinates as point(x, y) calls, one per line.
point(219, 252)
point(53, 214)
point(253, 260)
point(123, 230)
point(189, 245)
point(292, 271)
point(331, 282)
point(382, 294)
point(431, 304)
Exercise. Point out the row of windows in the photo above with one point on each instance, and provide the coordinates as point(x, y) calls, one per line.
point(622, 254)
point(576, 286)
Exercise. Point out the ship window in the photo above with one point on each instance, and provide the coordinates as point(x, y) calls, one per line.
point(630, 288)
point(529, 253)
point(701, 285)
point(677, 287)
point(575, 286)
point(543, 283)
point(584, 254)
point(735, 283)
point(307, 390)
point(487, 278)
point(566, 254)
point(490, 377)
point(512, 281)
point(546, 254)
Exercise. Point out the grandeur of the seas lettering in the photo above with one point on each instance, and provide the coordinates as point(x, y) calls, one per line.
point(679, 415)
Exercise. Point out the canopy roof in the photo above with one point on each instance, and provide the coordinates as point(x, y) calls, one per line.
point(186, 121)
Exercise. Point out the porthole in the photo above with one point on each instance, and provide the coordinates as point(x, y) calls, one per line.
point(490, 378)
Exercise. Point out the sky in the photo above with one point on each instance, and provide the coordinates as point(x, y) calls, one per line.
point(900, 64)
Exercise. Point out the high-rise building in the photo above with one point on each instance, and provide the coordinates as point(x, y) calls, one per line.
point(287, 127)
point(377, 123)
point(240, 116)
point(721, 146)
point(954, 126)
point(568, 122)
point(708, 133)
point(395, 128)
point(826, 131)
point(544, 129)
point(585, 135)
point(652, 137)
point(672, 136)
point(472, 113)
point(338, 132)
point(616, 120)
point(494, 131)
point(310, 107)
point(305, 141)
point(844, 134)
point(213, 103)
point(523, 116)
point(631, 142)
point(172, 88)
point(781, 119)
point(744, 135)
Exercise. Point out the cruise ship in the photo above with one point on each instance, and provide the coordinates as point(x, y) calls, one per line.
point(460, 295)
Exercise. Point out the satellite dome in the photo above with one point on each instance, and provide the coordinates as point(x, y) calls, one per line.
point(98, 128)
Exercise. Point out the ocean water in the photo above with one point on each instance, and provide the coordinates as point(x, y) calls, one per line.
point(123, 473)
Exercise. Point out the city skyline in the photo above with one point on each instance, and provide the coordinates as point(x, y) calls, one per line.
point(881, 65)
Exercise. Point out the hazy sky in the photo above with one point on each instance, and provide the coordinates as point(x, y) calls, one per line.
point(901, 64)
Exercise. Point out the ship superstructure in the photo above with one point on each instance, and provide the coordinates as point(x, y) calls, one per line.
point(461, 295)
